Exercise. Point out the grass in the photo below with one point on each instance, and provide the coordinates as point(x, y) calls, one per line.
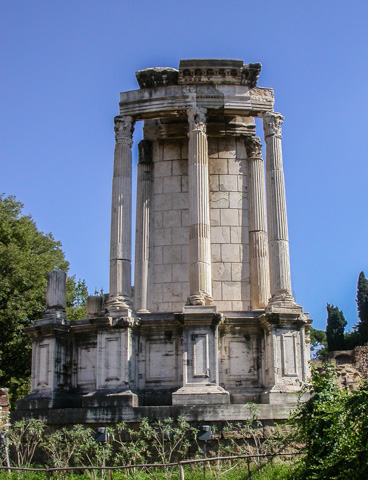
point(277, 470)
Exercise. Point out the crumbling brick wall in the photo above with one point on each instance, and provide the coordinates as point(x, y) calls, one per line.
point(360, 359)
point(4, 406)
point(4, 400)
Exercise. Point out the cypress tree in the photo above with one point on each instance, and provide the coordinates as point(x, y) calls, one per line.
point(362, 306)
point(335, 328)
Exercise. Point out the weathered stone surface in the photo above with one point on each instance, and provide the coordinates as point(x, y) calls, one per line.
point(219, 71)
point(121, 218)
point(55, 295)
point(201, 413)
point(200, 276)
point(156, 77)
point(201, 234)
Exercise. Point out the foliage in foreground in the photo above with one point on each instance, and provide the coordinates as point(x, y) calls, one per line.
point(153, 442)
point(330, 430)
point(270, 471)
point(333, 427)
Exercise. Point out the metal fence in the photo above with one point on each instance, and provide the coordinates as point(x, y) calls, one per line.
point(107, 470)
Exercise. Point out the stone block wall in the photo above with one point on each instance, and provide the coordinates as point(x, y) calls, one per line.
point(169, 269)
point(229, 223)
point(85, 363)
point(169, 274)
point(360, 356)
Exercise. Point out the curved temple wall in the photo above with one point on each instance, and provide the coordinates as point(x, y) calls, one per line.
point(211, 319)
point(169, 236)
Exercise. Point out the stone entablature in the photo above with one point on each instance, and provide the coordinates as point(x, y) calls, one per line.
point(211, 319)
point(170, 100)
point(210, 71)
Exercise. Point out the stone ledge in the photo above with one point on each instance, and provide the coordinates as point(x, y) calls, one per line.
point(194, 413)
point(201, 395)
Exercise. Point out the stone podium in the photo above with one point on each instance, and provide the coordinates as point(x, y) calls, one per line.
point(211, 321)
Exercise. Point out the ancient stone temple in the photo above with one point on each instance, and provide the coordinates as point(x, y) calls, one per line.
point(211, 322)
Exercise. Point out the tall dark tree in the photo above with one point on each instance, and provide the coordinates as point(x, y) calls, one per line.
point(362, 306)
point(26, 256)
point(335, 328)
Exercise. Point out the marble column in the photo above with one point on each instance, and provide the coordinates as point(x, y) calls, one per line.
point(200, 281)
point(276, 210)
point(258, 245)
point(142, 238)
point(121, 219)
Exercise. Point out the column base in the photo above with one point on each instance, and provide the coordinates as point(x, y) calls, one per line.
point(201, 395)
point(278, 396)
point(119, 306)
point(200, 299)
point(283, 302)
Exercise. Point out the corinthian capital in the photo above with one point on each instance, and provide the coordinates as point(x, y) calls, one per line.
point(197, 119)
point(124, 128)
point(272, 122)
point(254, 147)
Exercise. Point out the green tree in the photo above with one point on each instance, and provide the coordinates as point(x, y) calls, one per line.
point(335, 328)
point(362, 305)
point(26, 257)
point(76, 298)
point(352, 339)
point(318, 342)
point(333, 428)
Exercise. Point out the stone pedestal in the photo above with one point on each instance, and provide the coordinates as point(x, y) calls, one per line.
point(50, 352)
point(115, 366)
point(286, 359)
point(200, 358)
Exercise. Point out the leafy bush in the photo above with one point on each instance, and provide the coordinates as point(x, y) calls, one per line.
point(23, 439)
point(333, 427)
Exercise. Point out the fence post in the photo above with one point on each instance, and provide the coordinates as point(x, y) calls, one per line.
point(181, 471)
point(249, 470)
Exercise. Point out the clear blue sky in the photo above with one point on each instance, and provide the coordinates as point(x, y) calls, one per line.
point(63, 64)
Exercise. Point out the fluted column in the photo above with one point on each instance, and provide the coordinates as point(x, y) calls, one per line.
point(259, 263)
point(276, 210)
point(200, 281)
point(142, 238)
point(121, 218)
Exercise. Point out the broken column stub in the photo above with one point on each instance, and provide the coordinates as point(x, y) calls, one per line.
point(94, 307)
point(56, 295)
point(200, 358)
